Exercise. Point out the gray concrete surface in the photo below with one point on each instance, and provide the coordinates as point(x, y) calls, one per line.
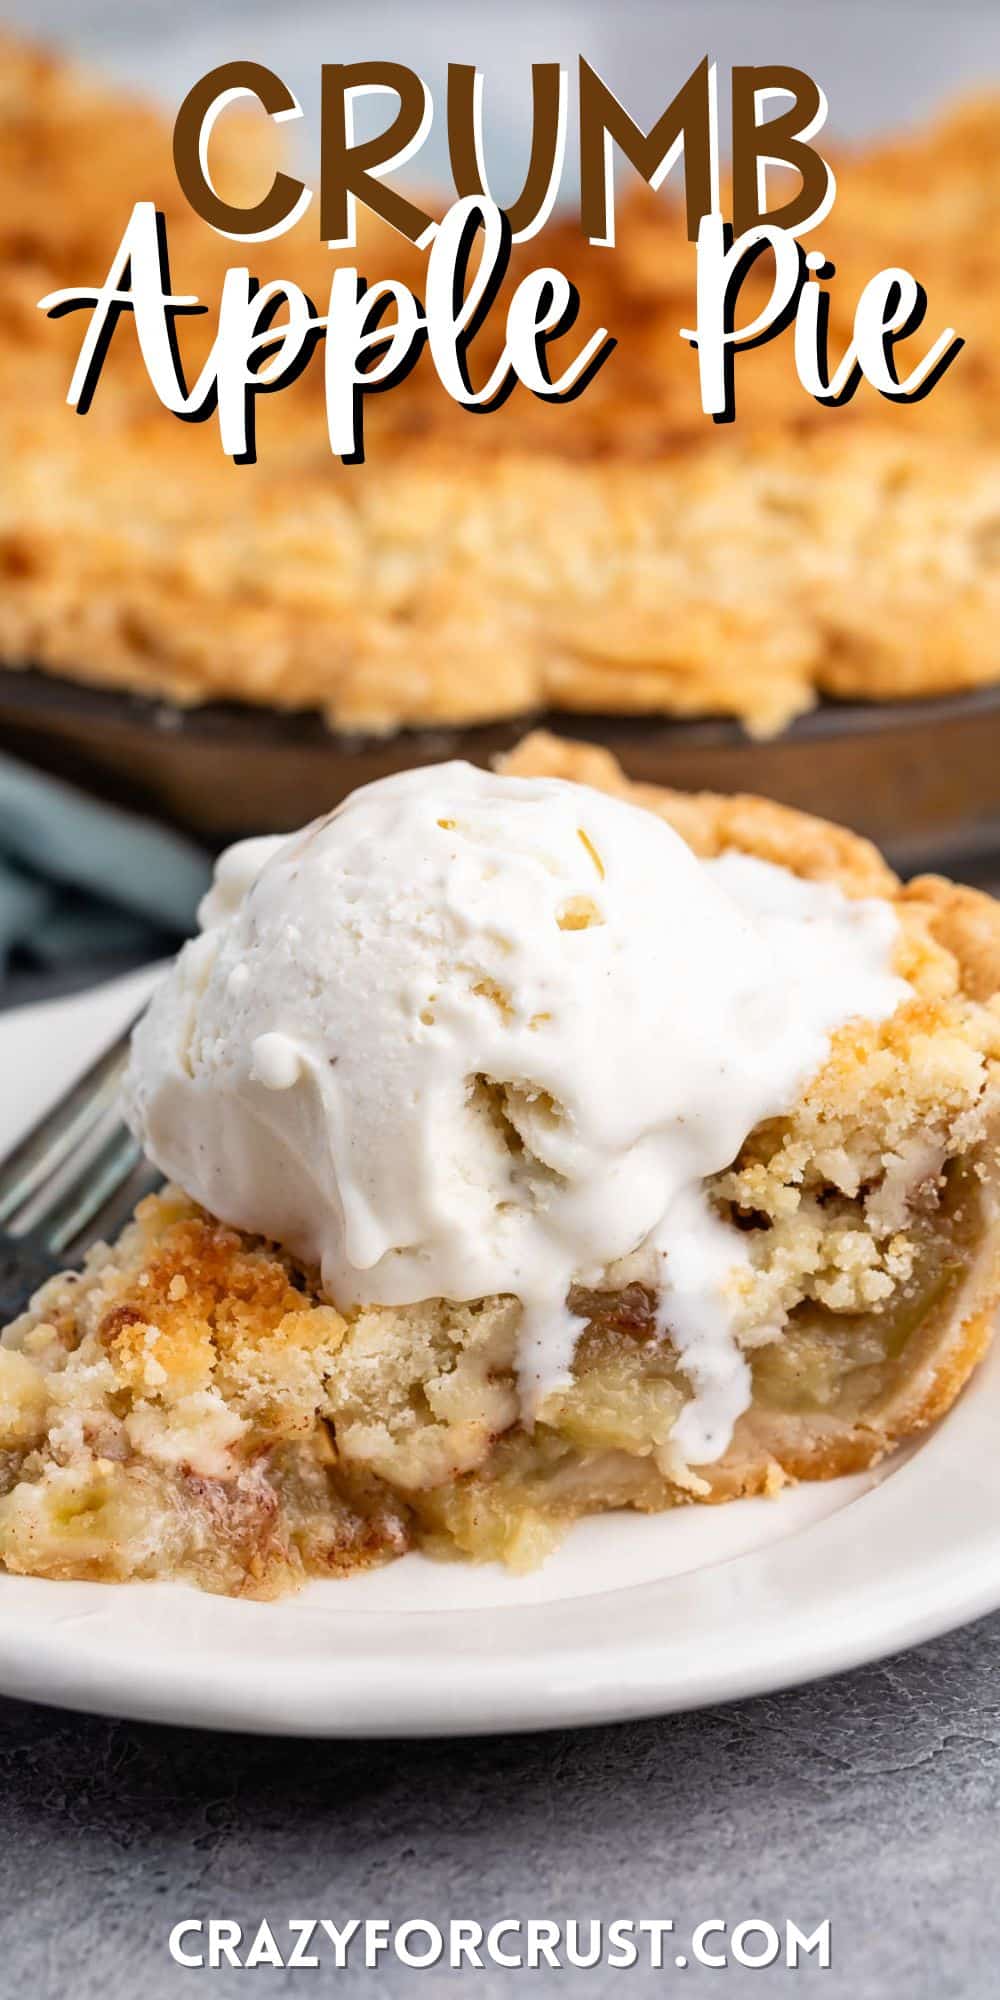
point(871, 1799)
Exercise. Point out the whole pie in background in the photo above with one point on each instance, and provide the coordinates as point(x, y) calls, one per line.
point(622, 555)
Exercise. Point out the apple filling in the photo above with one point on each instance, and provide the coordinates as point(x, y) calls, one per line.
point(191, 1405)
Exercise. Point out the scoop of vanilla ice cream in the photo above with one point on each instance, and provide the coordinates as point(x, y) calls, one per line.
point(473, 1034)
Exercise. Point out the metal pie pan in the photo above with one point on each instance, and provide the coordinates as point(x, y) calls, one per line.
point(919, 777)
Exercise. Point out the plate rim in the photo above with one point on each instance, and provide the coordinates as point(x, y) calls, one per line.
point(555, 1663)
point(486, 1690)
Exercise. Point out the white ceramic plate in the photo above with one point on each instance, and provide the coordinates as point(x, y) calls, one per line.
point(632, 1617)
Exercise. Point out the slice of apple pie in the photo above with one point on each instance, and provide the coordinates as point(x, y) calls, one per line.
point(549, 1145)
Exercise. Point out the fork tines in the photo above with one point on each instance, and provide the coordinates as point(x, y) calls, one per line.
point(76, 1175)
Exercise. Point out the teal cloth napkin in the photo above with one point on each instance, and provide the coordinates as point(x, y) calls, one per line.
point(83, 881)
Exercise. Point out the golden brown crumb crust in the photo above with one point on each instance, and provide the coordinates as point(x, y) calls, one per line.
point(619, 555)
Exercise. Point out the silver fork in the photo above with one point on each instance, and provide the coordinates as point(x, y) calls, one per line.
point(73, 1178)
